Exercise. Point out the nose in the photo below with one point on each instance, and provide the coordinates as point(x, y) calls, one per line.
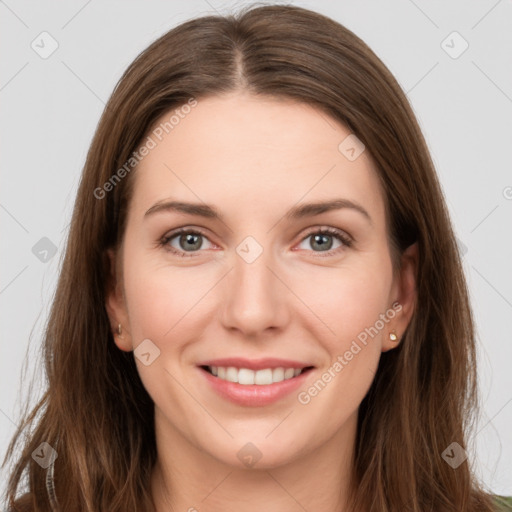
point(255, 298)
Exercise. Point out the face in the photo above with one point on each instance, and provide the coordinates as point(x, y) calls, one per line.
point(263, 281)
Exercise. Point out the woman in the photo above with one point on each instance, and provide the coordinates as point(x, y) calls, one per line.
point(261, 305)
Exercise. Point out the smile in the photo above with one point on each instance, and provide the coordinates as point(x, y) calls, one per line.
point(247, 377)
point(267, 382)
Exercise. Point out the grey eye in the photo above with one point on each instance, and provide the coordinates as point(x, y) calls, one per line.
point(320, 242)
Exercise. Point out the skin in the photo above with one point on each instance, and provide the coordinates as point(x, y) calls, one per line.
point(253, 158)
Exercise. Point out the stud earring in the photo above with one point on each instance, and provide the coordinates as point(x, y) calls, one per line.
point(119, 330)
point(393, 336)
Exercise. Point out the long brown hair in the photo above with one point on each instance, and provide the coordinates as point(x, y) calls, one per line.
point(96, 413)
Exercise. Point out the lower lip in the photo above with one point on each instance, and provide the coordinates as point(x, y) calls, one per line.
point(254, 395)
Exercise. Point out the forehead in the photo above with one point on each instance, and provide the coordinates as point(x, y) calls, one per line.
point(251, 154)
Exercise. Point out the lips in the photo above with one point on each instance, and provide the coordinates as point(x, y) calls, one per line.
point(255, 364)
point(247, 382)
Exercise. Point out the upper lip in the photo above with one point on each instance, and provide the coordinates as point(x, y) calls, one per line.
point(255, 364)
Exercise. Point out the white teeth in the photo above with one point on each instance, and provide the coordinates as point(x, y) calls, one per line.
point(263, 377)
point(277, 374)
point(246, 376)
point(232, 374)
point(288, 373)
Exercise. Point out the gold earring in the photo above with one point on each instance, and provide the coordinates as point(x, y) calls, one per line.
point(393, 336)
point(119, 330)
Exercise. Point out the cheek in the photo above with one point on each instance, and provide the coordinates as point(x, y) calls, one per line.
point(345, 301)
point(163, 303)
point(161, 298)
point(336, 303)
point(350, 302)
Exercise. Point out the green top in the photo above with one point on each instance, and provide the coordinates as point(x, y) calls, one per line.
point(504, 503)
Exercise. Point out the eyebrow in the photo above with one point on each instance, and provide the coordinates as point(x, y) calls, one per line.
point(297, 212)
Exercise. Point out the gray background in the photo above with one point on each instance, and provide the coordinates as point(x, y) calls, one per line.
point(50, 108)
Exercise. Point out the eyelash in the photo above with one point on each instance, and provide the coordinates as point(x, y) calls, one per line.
point(346, 241)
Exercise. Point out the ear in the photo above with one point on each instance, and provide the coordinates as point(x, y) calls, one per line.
point(115, 303)
point(404, 294)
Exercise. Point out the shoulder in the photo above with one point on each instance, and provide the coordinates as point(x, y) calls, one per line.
point(503, 503)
